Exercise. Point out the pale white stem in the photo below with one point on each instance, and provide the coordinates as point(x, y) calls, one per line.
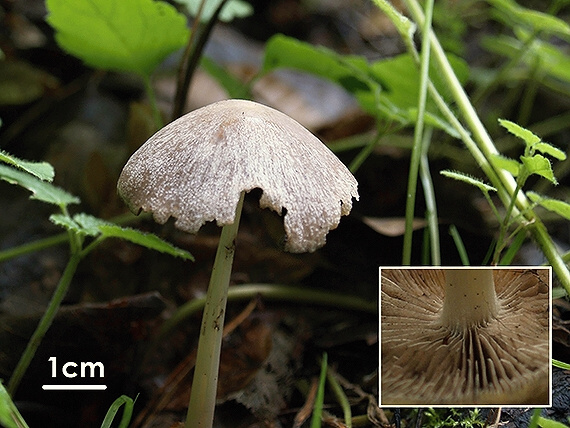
point(205, 383)
point(470, 298)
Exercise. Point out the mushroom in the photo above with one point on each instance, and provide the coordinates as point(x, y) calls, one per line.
point(198, 168)
point(464, 336)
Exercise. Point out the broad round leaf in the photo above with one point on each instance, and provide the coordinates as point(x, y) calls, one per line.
point(126, 35)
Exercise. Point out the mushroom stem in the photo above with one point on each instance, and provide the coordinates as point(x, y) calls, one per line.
point(470, 298)
point(205, 382)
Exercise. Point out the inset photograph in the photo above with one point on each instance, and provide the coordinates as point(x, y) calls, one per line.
point(465, 336)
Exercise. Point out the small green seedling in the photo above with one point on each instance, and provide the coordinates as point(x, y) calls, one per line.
point(85, 232)
point(532, 162)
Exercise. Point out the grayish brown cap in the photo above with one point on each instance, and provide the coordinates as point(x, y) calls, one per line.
point(504, 361)
point(195, 168)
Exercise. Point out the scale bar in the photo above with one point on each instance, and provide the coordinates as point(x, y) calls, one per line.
point(74, 387)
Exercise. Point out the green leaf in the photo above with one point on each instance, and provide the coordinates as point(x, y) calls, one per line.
point(387, 88)
point(316, 421)
point(549, 423)
point(560, 364)
point(539, 165)
point(232, 9)
point(89, 224)
point(550, 59)
point(527, 136)
point(81, 223)
point(147, 240)
point(549, 149)
point(65, 221)
point(532, 141)
point(42, 170)
point(508, 164)
point(233, 86)
point(400, 82)
point(555, 205)
point(350, 72)
point(10, 417)
point(128, 402)
point(125, 35)
point(466, 178)
point(41, 190)
point(85, 224)
point(534, 19)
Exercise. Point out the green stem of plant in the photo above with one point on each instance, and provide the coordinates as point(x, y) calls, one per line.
point(529, 95)
point(418, 137)
point(459, 245)
point(363, 154)
point(515, 246)
point(183, 80)
point(58, 239)
point(341, 397)
point(505, 224)
point(500, 76)
point(44, 323)
point(316, 419)
point(192, 57)
point(157, 116)
point(485, 149)
point(492, 205)
point(31, 247)
point(204, 385)
point(429, 196)
point(279, 292)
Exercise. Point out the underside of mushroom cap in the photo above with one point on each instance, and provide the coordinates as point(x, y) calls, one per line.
point(195, 168)
point(504, 362)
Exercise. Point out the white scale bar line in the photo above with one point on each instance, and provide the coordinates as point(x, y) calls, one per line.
point(74, 387)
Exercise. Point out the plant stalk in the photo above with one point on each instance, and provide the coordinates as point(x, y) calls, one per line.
point(470, 298)
point(418, 137)
point(156, 115)
point(278, 292)
point(429, 196)
point(192, 56)
point(204, 385)
point(44, 323)
point(501, 179)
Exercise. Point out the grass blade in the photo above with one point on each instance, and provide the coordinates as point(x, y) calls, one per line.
point(318, 409)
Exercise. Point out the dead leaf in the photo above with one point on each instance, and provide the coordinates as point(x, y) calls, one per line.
point(392, 226)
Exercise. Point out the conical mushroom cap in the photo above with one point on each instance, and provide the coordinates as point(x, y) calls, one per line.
point(195, 168)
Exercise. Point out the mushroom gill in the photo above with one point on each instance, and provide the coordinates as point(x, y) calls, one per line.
point(502, 361)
